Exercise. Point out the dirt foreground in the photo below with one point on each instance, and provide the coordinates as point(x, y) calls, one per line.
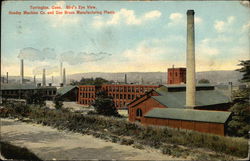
point(51, 144)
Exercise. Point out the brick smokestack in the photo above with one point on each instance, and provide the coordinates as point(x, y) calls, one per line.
point(61, 73)
point(21, 72)
point(7, 77)
point(34, 79)
point(64, 77)
point(125, 79)
point(190, 60)
point(44, 78)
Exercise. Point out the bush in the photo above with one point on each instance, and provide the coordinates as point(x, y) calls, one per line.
point(104, 105)
point(58, 102)
point(14, 152)
point(35, 98)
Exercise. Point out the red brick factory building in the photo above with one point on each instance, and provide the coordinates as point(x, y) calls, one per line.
point(122, 93)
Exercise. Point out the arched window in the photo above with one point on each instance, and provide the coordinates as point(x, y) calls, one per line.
point(139, 112)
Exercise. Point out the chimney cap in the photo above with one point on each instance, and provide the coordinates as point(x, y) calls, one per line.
point(190, 12)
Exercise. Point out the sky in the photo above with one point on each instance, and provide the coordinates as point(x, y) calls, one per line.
point(133, 37)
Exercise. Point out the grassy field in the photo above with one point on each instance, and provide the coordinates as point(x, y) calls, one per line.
point(170, 141)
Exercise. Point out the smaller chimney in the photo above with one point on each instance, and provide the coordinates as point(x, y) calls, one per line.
point(7, 77)
point(64, 77)
point(44, 78)
point(125, 79)
point(61, 72)
point(21, 72)
point(34, 79)
point(38, 84)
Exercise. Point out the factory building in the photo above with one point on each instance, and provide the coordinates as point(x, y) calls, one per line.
point(20, 91)
point(187, 106)
point(122, 94)
point(176, 76)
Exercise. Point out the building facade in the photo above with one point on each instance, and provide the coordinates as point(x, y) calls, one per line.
point(122, 94)
point(171, 98)
point(176, 76)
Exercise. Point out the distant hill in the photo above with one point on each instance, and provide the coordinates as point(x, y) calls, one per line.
point(216, 77)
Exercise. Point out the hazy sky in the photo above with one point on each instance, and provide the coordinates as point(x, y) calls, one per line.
point(140, 36)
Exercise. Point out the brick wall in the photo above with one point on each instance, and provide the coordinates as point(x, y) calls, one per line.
point(206, 127)
point(176, 75)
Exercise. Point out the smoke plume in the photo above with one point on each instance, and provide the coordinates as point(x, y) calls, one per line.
point(73, 58)
point(33, 54)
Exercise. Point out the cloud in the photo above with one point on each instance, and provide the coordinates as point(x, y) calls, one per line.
point(48, 70)
point(246, 27)
point(127, 17)
point(179, 19)
point(33, 54)
point(73, 58)
point(224, 26)
point(245, 3)
point(205, 48)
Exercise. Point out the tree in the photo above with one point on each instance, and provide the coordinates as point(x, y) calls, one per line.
point(204, 81)
point(104, 104)
point(58, 102)
point(245, 69)
point(35, 98)
point(90, 81)
point(240, 123)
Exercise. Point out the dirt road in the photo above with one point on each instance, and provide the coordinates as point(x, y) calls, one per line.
point(48, 143)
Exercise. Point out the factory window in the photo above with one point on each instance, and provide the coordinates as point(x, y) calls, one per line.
point(129, 96)
point(121, 96)
point(132, 96)
point(125, 89)
point(175, 73)
point(137, 89)
point(139, 112)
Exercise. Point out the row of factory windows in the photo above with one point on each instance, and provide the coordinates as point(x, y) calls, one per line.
point(128, 89)
point(124, 96)
point(87, 88)
point(176, 73)
point(118, 89)
point(87, 95)
point(115, 96)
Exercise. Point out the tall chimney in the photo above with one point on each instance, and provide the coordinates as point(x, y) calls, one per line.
point(190, 86)
point(34, 79)
point(52, 79)
point(7, 77)
point(44, 78)
point(125, 79)
point(64, 77)
point(21, 72)
point(61, 73)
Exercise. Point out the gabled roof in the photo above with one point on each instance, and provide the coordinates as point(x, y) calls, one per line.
point(189, 115)
point(63, 90)
point(203, 98)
